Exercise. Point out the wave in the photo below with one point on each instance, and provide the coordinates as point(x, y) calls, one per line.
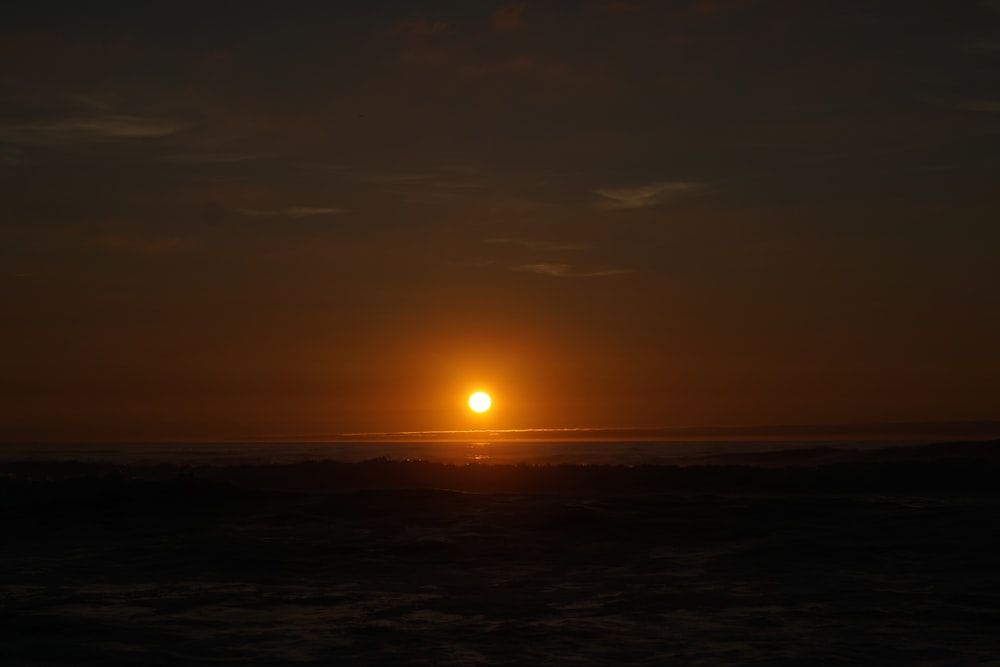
point(969, 467)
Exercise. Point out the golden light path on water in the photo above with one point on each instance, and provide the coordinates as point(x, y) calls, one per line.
point(506, 432)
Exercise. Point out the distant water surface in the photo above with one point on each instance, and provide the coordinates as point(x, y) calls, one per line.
point(472, 451)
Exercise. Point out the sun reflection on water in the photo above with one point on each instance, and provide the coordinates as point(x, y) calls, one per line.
point(478, 452)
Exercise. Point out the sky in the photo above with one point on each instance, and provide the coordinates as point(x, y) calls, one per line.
point(287, 219)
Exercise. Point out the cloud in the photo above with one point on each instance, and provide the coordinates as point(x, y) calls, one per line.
point(550, 266)
point(89, 129)
point(558, 270)
point(647, 195)
point(294, 212)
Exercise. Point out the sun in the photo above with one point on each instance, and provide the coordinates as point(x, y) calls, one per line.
point(480, 401)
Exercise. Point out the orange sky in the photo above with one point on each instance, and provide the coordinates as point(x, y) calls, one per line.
point(326, 219)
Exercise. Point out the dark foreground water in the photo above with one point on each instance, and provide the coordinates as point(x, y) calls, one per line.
point(800, 557)
point(488, 450)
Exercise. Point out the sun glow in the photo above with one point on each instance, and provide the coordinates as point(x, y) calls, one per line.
point(480, 401)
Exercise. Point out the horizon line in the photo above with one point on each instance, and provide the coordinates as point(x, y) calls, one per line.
point(897, 429)
point(855, 431)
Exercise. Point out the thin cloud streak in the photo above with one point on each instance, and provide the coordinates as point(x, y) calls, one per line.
point(647, 195)
point(89, 129)
point(557, 270)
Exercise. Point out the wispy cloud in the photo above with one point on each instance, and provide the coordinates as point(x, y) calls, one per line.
point(647, 195)
point(550, 258)
point(293, 212)
point(89, 129)
point(559, 270)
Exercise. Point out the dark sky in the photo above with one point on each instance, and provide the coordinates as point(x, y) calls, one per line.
point(226, 220)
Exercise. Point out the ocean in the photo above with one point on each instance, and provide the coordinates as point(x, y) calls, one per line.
point(479, 449)
point(500, 553)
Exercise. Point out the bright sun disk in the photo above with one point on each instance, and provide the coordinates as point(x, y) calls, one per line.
point(480, 401)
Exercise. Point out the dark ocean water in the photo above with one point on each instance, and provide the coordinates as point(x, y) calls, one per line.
point(489, 554)
point(483, 450)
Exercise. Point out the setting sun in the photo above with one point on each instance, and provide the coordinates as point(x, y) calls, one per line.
point(480, 401)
